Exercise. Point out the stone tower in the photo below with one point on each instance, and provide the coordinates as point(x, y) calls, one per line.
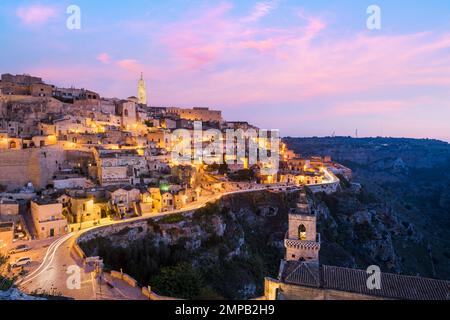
point(142, 92)
point(127, 111)
point(302, 242)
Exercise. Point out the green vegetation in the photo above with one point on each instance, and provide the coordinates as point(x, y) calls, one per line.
point(172, 218)
point(344, 182)
point(208, 210)
point(181, 280)
point(49, 295)
point(5, 283)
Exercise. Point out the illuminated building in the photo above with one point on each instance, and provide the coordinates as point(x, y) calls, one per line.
point(142, 92)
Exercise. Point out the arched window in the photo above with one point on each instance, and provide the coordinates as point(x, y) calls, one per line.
point(301, 232)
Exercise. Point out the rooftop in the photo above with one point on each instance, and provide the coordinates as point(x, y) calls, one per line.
point(393, 286)
point(6, 226)
point(45, 201)
point(7, 201)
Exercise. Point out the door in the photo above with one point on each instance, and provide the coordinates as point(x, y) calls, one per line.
point(52, 233)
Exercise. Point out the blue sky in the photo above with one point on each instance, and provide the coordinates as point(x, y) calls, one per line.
point(304, 67)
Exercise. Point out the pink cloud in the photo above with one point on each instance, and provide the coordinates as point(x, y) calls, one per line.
point(213, 37)
point(261, 10)
point(130, 65)
point(104, 58)
point(253, 64)
point(35, 14)
point(262, 45)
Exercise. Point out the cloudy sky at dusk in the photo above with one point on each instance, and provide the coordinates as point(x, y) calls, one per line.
point(305, 67)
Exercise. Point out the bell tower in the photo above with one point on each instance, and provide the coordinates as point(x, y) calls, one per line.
point(142, 92)
point(302, 241)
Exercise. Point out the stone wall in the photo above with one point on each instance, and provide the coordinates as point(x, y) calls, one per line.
point(14, 168)
point(37, 165)
point(276, 290)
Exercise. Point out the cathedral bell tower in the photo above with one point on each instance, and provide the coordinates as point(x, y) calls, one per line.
point(302, 242)
point(142, 92)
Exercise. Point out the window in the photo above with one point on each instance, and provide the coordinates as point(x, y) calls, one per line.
point(302, 232)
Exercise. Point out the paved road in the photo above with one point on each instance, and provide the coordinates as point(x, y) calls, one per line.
point(51, 275)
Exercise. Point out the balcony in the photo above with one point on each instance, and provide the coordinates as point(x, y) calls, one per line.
point(302, 244)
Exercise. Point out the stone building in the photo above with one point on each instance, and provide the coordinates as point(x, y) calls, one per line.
point(48, 218)
point(167, 200)
point(157, 203)
point(119, 167)
point(9, 210)
point(80, 208)
point(159, 138)
point(24, 85)
point(197, 114)
point(127, 111)
point(124, 200)
point(71, 95)
point(36, 165)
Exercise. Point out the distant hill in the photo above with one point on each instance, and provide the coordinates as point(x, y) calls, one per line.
point(405, 199)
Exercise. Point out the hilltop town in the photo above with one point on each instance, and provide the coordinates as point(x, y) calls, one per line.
point(71, 159)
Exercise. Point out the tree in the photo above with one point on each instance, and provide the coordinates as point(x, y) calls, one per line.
point(181, 281)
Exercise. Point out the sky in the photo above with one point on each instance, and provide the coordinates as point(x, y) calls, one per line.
point(307, 68)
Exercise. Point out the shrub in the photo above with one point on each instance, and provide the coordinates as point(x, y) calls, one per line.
point(172, 218)
point(181, 281)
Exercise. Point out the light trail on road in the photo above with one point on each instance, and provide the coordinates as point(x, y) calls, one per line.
point(47, 261)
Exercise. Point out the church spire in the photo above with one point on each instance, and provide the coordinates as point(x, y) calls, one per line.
point(142, 92)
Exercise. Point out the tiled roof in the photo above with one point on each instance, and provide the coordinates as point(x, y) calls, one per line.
point(303, 273)
point(393, 286)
